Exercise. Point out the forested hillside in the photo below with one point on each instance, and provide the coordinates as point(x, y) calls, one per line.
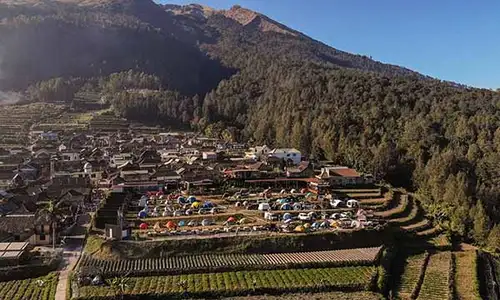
point(240, 75)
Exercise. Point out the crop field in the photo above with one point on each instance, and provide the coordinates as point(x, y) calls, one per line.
point(243, 282)
point(225, 262)
point(435, 285)
point(42, 288)
point(465, 275)
point(410, 276)
point(315, 296)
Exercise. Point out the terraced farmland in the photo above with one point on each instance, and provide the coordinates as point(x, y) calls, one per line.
point(435, 284)
point(42, 288)
point(241, 283)
point(409, 279)
point(226, 262)
point(466, 284)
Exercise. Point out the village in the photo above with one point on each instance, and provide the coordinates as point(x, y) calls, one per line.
point(95, 208)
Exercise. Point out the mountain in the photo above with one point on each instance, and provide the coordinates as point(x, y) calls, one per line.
point(85, 38)
point(237, 74)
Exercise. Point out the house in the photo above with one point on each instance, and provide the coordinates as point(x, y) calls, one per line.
point(48, 136)
point(257, 152)
point(209, 155)
point(67, 155)
point(340, 176)
point(289, 155)
point(12, 252)
point(120, 159)
point(303, 169)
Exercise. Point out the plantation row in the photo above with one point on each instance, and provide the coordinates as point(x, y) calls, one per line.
point(42, 288)
point(435, 284)
point(241, 283)
point(227, 262)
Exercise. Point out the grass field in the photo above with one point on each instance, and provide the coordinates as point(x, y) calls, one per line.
point(42, 288)
point(242, 283)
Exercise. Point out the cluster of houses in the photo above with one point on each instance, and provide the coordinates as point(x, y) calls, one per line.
point(57, 166)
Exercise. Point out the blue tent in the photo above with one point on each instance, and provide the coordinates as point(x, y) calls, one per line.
point(286, 206)
point(181, 200)
point(181, 223)
point(208, 204)
point(191, 199)
point(287, 216)
point(142, 214)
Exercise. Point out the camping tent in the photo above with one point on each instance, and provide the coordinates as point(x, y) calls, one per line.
point(171, 225)
point(208, 204)
point(300, 228)
point(142, 214)
point(181, 200)
point(143, 226)
point(182, 223)
point(286, 206)
point(195, 205)
point(352, 203)
point(191, 199)
point(231, 220)
point(205, 222)
point(157, 226)
point(287, 216)
point(264, 206)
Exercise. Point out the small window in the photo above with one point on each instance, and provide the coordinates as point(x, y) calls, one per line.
point(295, 154)
point(288, 155)
point(93, 175)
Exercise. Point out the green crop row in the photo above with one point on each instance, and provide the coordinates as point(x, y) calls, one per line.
point(240, 283)
point(41, 288)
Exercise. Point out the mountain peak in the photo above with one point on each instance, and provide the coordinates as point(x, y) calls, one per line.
point(247, 17)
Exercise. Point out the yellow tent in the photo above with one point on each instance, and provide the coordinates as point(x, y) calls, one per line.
point(195, 205)
point(300, 228)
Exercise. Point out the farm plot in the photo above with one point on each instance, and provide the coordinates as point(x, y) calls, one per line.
point(410, 276)
point(435, 285)
point(42, 288)
point(466, 281)
point(226, 262)
point(242, 282)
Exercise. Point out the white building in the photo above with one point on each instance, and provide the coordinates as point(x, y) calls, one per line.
point(257, 152)
point(287, 154)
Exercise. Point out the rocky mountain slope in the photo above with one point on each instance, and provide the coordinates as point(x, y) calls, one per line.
point(53, 38)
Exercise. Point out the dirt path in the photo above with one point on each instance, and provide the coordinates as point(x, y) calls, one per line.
point(70, 259)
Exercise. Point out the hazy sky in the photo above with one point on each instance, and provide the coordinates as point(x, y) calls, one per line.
point(457, 40)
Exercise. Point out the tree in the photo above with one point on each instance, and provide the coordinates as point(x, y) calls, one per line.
point(481, 224)
point(119, 285)
point(51, 213)
point(493, 242)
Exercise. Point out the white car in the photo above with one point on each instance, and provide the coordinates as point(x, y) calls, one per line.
point(304, 217)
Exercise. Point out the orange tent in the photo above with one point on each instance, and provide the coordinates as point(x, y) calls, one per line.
point(171, 225)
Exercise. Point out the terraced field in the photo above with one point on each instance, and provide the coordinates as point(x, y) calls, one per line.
point(242, 283)
point(226, 262)
point(465, 275)
point(435, 284)
point(42, 288)
point(409, 279)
